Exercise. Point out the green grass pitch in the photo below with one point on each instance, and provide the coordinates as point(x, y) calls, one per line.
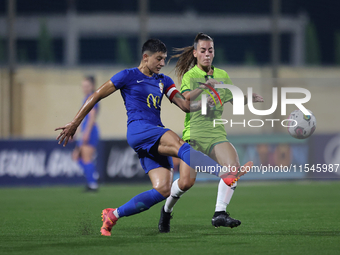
point(277, 218)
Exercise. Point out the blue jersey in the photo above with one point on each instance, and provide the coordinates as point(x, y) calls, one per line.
point(143, 94)
point(86, 119)
point(142, 98)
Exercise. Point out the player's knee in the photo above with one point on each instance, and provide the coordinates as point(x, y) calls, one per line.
point(164, 190)
point(181, 141)
point(186, 184)
point(179, 144)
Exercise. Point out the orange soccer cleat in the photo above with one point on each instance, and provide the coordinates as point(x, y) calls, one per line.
point(109, 220)
point(233, 176)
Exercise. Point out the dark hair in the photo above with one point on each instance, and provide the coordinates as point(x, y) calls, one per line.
point(153, 46)
point(92, 80)
point(186, 59)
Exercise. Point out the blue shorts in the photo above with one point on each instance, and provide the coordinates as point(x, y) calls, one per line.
point(94, 138)
point(142, 136)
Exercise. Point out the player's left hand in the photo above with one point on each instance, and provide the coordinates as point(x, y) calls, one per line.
point(257, 98)
point(67, 132)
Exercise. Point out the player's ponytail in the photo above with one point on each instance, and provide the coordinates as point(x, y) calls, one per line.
point(186, 59)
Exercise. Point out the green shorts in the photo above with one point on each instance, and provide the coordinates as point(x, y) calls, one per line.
point(206, 145)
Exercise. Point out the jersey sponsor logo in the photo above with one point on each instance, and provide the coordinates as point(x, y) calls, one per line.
point(139, 81)
point(161, 86)
point(154, 99)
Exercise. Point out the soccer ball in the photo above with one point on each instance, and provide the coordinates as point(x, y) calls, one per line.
point(303, 126)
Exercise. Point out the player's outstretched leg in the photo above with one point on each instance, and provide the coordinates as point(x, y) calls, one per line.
point(109, 220)
point(161, 179)
point(171, 145)
point(197, 159)
point(137, 204)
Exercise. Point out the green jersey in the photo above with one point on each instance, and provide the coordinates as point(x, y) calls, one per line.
point(196, 125)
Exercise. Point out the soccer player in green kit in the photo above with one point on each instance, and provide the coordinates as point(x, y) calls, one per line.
point(195, 67)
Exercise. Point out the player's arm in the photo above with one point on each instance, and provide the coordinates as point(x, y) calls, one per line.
point(69, 129)
point(193, 94)
point(186, 105)
point(178, 99)
point(186, 101)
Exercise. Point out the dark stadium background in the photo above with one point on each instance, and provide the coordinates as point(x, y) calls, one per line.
point(322, 14)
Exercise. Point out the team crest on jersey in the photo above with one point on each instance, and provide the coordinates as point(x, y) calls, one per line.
point(161, 86)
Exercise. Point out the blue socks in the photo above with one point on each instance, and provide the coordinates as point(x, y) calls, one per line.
point(89, 172)
point(139, 203)
point(198, 160)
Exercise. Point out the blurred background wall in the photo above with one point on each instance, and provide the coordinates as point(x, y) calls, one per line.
point(47, 47)
point(48, 97)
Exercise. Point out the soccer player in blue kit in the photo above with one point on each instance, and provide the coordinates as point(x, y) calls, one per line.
point(142, 89)
point(86, 144)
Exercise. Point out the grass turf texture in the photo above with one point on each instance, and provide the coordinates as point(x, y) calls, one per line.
point(277, 218)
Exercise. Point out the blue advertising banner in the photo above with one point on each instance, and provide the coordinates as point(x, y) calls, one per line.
point(32, 162)
point(44, 162)
point(119, 162)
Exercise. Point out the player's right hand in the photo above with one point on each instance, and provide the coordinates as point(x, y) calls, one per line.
point(67, 133)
